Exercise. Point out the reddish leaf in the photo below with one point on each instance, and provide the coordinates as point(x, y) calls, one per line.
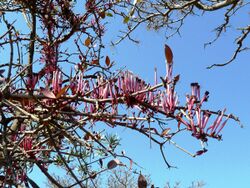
point(107, 61)
point(87, 42)
point(200, 152)
point(142, 182)
point(113, 163)
point(95, 62)
point(62, 92)
point(177, 78)
point(48, 94)
point(102, 14)
point(168, 54)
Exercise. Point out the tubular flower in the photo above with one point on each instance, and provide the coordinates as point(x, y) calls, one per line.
point(190, 102)
point(197, 119)
point(194, 99)
point(169, 100)
point(201, 119)
point(169, 67)
point(195, 87)
point(105, 88)
point(197, 124)
point(218, 125)
point(82, 85)
point(56, 81)
point(129, 84)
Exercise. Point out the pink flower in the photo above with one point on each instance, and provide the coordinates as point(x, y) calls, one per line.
point(56, 81)
point(193, 100)
point(205, 98)
point(197, 123)
point(190, 102)
point(169, 100)
point(218, 125)
point(169, 67)
point(195, 91)
point(128, 84)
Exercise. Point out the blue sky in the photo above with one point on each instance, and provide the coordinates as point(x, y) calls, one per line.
point(227, 163)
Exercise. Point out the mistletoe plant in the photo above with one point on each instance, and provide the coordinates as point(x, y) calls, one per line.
point(57, 86)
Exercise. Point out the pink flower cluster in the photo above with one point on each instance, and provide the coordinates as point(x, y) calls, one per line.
point(169, 100)
point(197, 119)
point(127, 85)
point(135, 91)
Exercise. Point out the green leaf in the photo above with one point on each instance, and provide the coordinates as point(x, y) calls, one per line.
point(126, 19)
point(109, 14)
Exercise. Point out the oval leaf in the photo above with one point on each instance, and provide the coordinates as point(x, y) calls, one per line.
point(87, 42)
point(109, 14)
point(142, 182)
point(168, 54)
point(113, 163)
point(107, 61)
point(200, 152)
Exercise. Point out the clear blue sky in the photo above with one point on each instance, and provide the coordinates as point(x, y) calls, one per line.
point(227, 163)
